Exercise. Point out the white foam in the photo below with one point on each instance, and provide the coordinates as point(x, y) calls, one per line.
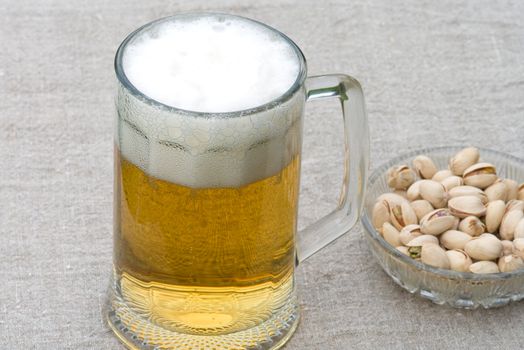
point(211, 64)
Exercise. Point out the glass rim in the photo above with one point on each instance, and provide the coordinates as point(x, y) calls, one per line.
point(375, 235)
point(122, 78)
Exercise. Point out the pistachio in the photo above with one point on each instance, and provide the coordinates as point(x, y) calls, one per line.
point(480, 175)
point(434, 192)
point(466, 206)
point(424, 167)
point(510, 263)
point(456, 224)
point(507, 247)
point(421, 207)
point(380, 214)
point(484, 267)
point(515, 204)
point(437, 222)
point(413, 191)
point(434, 255)
point(421, 240)
point(414, 252)
point(402, 249)
point(390, 234)
point(509, 224)
point(451, 182)
point(401, 193)
point(463, 160)
point(472, 226)
point(520, 194)
point(461, 191)
point(485, 247)
point(494, 213)
point(519, 229)
point(518, 247)
point(453, 239)
point(408, 233)
point(497, 191)
point(458, 260)
point(402, 215)
point(400, 177)
point(391, 198)
point(441, 175)
point(512, 189)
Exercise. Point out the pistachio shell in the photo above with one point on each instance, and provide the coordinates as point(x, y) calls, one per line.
point(497, 191)
point(510, 263)
point(421, 240)
point(515, 205)
point(507, 247)
point(421, 207)
point(494, 213)
point(480, 175)
point(466, 206)
point(401, 193)
point(434, 255)
point(434, 192)
point(424, 167)
point(518, 247)
point(485, 247)
point(458, 260)
point(519, 229)
point(455, 224)
point(437, 222)
point(402, 249)
point(413, 191)
point(451, 182)
point(402, 215)
point(441, 175)
point(391, 198)
point(484, 267)
point(380, 214)
point(453, 239)
point(512, 189)
point(414, 252)
point(463, 160)
point(400, 177)
point(520, 194)
point(408, 233)
point(390, 234)
point(509, 223)
point(461, 191)
point(472, 226)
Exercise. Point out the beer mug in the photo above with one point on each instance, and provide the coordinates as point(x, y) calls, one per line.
point(206, 191)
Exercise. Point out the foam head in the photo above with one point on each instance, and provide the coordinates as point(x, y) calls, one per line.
point(213, 64)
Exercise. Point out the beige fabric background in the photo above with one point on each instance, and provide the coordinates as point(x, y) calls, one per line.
point(434, 73)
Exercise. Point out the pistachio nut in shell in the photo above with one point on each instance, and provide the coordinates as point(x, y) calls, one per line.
point(463, 160)
point(484, 247)
point(494, 213)
point(507, 247)
point(424, 166)
point(453, 239)
point(510, 263)
point(458, 260)
point(421, 240)
point(402, 215)
point(518, 247)
point(421, 207)
point(441, 175)
point(512, 189)
point(465, 206)
point(434, 192)
point(484, 267)
point(519, 230)
point(401, 193)
point(515, 204)
point(390, 234)
point(434, 255)
point(496, 191)
point(452, 181)
point(414, 252)
point(509, 223)
point(480, 175)
point(413, 191)
point(520, 194)
point(391, 198)
point(472, 226)
point(437, 222)
point(380, 214)
point(402, 249)
point(400, 177)
point(461, 191)
point(408, 233)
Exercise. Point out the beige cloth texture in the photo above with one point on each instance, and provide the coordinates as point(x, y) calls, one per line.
point(434, 73)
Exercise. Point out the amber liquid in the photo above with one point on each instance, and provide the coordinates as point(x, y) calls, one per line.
point(205, 260)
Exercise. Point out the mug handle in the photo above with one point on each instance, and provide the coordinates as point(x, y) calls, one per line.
point(356, 161)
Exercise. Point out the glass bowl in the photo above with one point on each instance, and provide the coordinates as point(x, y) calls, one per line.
point(457, 289)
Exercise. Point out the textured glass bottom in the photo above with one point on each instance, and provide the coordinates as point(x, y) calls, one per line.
point(136, 332)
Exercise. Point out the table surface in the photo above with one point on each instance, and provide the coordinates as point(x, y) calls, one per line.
point(434, 73)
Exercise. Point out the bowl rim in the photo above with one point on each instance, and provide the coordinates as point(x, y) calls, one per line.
point(450, 274)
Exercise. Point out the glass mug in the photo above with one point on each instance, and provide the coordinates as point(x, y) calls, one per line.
point(205, 212)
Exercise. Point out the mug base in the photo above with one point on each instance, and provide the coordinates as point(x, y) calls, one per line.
point(138, 333)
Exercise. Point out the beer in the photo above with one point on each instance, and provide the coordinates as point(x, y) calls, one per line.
point(206, 205)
